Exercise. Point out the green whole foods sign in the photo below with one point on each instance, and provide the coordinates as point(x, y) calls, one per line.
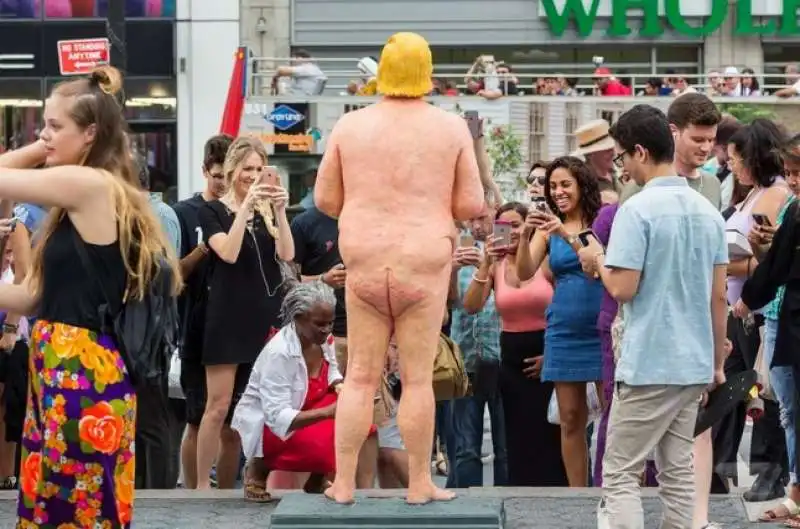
point(653, 23)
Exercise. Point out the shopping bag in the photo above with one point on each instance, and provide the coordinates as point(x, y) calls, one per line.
point(174, 378)
point(592, 402)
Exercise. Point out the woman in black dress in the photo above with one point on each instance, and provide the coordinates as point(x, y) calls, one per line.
point(248, 234)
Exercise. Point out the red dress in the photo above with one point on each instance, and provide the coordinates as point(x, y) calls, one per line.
point(309, 449)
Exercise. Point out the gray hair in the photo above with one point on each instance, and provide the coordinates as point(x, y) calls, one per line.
point(302, 296)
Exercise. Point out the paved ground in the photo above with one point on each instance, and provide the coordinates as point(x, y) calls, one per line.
point(525, 509)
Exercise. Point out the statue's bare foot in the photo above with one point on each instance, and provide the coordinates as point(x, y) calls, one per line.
point(339, 494)
point(427, 493)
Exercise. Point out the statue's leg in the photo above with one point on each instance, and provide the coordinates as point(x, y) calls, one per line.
point(368, 332)
point(417, 331)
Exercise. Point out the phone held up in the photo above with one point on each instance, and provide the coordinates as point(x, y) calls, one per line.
point(761, 219)
point(271, 176)
point(466, 241)
point(540, 204)
point(474, 123)
point(502, 231)
point(585, 237)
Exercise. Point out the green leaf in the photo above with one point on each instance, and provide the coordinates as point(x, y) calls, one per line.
point(28, 502)
point(70, 429)
point(99, 386)
point(119, 407)
point(51, 361)
point(73, 365)
point(86, 403)
point(86, 448)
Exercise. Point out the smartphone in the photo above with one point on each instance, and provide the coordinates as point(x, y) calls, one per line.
point(540, 204)
point(473, 122)
point(761, 219)
point(466, 241)
point(585, 236)
point(271, 176)
point(502, 230)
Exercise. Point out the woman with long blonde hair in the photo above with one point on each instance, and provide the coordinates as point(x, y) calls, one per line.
point(79, 427)
point(248, 234)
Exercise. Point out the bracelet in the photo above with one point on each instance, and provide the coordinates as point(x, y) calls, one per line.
point(9, 328)
point(478, 279)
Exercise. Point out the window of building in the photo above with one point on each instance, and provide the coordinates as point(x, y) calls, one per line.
point(20, 112)
point(99, 8)
point(21, 9)
point(776, 56)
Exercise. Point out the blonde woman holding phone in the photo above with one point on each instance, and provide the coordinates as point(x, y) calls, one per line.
point(248, 235)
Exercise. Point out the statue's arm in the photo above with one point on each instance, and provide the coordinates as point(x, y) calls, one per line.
point(490, 187)
point(468, 197)
point(329, 187)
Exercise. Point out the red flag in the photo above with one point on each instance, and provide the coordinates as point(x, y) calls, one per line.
point(234, 103)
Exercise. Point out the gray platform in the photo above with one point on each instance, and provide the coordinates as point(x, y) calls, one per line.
point(301, 511)
point(524, 509)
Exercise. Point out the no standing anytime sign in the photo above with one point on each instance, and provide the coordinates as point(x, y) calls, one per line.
point(80, 57)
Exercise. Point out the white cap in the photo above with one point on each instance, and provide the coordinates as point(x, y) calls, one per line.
point(731, 70)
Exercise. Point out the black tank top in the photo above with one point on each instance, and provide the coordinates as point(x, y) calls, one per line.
point(70, 293)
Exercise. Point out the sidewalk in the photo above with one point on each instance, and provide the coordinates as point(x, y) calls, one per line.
point(525, 509)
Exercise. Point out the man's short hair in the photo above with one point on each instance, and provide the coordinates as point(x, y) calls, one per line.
point(693, 108)
point(215, 150)
point(728, 126)
point(647, 126)
point(301, 54)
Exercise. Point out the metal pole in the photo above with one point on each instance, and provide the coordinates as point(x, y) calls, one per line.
point(115, 32)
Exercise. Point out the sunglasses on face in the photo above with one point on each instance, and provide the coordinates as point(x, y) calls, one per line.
point(535, 180)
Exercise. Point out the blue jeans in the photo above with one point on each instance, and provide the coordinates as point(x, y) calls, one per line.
point(445, 432)
point(468, 432)
point(782, 380)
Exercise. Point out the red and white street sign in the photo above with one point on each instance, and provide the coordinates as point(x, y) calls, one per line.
point(80, 57)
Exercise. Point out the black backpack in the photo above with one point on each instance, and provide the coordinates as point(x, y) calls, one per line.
point(145, 331)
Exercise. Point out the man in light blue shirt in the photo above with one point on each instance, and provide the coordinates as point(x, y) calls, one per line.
point(666, 264)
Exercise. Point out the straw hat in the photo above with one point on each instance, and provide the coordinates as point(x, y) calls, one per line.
point(405, 66)
point(593, 137)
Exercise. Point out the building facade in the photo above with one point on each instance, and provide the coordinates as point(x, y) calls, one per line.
point(179, 59)
point(564, 36)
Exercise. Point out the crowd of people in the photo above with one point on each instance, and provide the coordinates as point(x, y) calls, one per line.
point(610, 300)
point(493, 78)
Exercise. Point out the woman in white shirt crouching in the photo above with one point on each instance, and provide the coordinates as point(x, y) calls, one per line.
point(285, 416)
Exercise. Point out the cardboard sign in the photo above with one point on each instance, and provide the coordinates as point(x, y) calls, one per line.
point(80, 57)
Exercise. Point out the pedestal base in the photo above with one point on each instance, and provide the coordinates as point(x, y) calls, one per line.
point(303, 511)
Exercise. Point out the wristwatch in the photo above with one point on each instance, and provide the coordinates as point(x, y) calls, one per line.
point(572, 239)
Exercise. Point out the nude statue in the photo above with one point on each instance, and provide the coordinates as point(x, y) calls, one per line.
point(396, 174)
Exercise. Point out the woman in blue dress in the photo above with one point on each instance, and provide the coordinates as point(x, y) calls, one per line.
point(572, 354)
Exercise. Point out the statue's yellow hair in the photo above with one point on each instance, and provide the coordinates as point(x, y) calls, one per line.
point(406, 67)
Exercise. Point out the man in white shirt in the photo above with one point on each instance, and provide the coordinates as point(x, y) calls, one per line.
point(792, 80)
point(306, 77)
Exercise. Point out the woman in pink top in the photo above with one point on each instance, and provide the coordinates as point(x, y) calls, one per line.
point(533, 444)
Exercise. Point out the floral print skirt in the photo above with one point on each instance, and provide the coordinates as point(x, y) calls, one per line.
point(77, 468)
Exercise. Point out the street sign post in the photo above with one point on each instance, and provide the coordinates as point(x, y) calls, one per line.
point(80, 57)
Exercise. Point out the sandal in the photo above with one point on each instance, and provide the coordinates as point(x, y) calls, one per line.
point(256, 491)
point(783, 511)
point(316, 484)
